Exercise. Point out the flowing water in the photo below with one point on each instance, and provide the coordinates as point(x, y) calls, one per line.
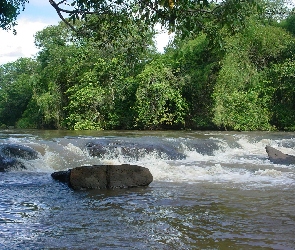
point(211, 190)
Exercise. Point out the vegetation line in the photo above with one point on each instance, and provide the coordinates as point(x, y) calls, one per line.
point(234, 70)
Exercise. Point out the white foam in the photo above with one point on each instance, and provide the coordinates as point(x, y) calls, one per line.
point(74, 149)
point(244, 162)
point(269, 172)
point(217, 173)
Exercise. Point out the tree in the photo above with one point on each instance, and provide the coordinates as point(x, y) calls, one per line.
point(289, 23)
point(85, 82)
point(275, 10)
point(9, 10)
point(196, 64)
point(281, 79)
point(247, 93)
point(16, 81)
point(186, 15)
point(159, 103)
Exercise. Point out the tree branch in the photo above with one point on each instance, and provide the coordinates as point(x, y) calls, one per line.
point(59, 10)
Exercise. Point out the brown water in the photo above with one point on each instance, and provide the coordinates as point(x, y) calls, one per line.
point(224, 194)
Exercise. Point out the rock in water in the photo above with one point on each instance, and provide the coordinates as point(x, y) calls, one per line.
point(12, 154)
point(105, 177)
point(99, 148)
point(18, 151)
point(63, 176)
point(278, 157)
point(91, 177)
point(7, 163)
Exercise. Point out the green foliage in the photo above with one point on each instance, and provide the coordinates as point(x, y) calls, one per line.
point(265, 44)
point(107, 75)
point(158, 99)
point(16, 80)
point(281, 77)
point(85, 108)
point(244, 110)
point(89, 98)
point(274, 11)
point(187, 16)
point(9, 10)
point(77, 70)
point(31, 117)
point(242, 94)
point(49, 104)
point(289, 23)
point(196, 65)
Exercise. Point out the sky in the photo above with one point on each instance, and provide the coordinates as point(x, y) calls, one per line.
point(38, 14)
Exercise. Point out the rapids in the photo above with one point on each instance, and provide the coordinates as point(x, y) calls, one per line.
point(211, 190)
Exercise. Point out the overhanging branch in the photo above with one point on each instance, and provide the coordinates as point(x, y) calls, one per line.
point(59, 10)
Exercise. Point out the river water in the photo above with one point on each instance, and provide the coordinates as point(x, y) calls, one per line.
point(211, 190)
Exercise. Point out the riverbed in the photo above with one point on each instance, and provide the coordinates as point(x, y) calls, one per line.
point(211, 190)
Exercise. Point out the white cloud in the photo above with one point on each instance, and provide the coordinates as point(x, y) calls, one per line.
point(22, 44)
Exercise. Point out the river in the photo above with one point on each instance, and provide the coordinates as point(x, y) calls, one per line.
point(211, 190)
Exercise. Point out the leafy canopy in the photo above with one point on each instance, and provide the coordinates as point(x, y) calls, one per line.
point(9, 10)
point(187, 15)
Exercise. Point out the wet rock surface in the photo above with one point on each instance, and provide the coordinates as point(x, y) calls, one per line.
point(279, 157)
point(99, 148)
point(11, 156)
point(105, 177)
point(63, 176)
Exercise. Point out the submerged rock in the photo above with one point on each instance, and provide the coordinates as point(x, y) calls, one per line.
point(18, 151)
point(278, 157)
point(7, 163)
point(105, 177)
point(99, 148)
point(12, 154)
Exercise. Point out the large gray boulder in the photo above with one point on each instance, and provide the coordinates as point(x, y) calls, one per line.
point(105, 177)
point(278, 157)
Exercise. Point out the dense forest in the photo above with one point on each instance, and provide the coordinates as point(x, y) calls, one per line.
point(109, 75)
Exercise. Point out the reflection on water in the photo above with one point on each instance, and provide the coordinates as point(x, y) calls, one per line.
point(230, 198)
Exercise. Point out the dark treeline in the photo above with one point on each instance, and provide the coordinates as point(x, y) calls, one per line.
point(110, 76)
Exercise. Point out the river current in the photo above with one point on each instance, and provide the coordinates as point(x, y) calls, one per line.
point(211, 190)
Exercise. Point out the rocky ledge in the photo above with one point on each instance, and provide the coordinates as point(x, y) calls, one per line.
point(105, 177)
point(278, 157)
